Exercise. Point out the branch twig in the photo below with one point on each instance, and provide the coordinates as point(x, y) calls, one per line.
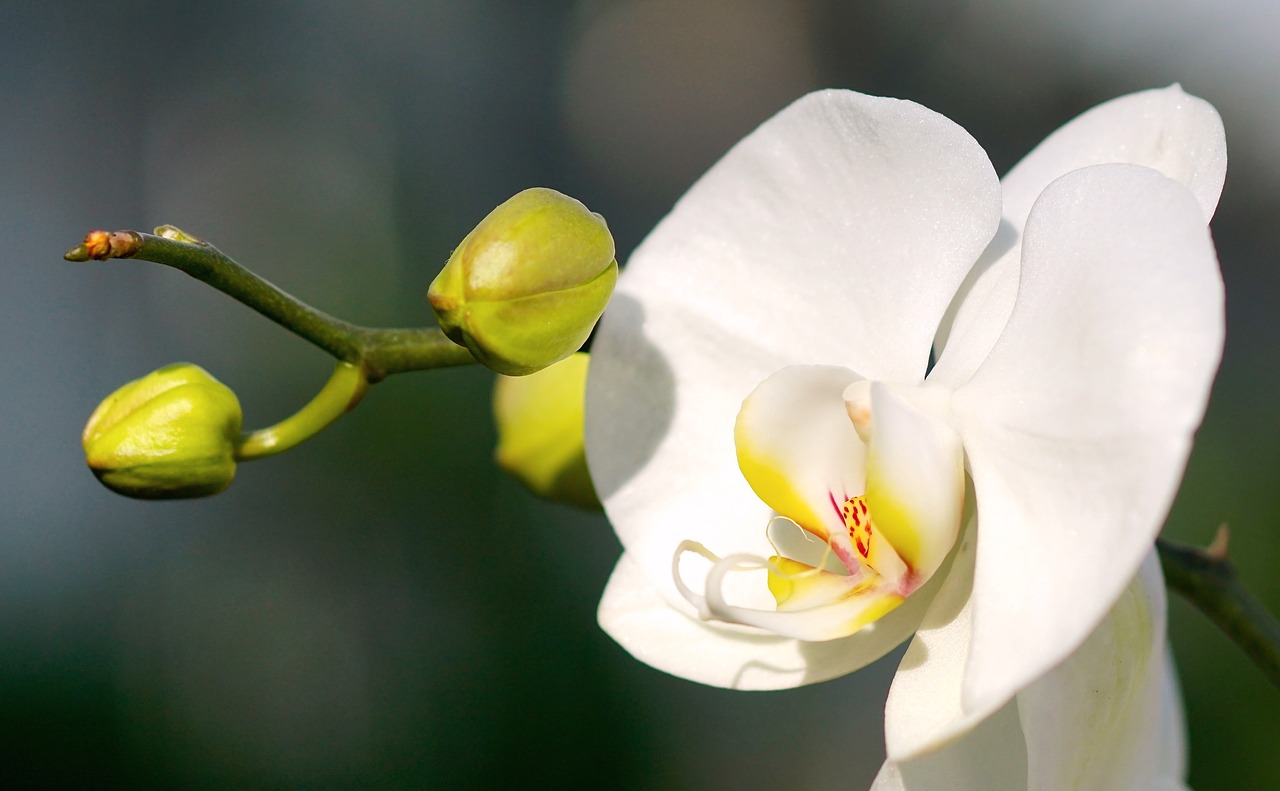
point(1207, 579)
point(379, 352)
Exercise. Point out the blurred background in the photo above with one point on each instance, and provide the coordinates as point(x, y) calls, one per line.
point(381, 608)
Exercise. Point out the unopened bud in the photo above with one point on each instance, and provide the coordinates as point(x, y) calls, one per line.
point(540, 425)
point(170, 434)
point(526, 287)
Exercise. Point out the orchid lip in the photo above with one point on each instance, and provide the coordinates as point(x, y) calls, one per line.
point(867, 488)
point(864, 601)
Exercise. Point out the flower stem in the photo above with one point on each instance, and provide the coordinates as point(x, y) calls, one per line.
point(339, 395)
point(378, 352)
point(1207, 579)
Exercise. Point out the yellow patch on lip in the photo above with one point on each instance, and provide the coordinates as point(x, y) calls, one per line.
point(914, 482)
point(782, 576)
point(797, 585)
point(773, 488)
point(877, 609)
point(894, 524)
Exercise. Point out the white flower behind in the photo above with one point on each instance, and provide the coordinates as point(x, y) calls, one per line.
point(790, 488)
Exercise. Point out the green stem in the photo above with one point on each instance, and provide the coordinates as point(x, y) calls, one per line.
point(1207, 579)
point(396, 351)
point(379, 352)
point(339, 395)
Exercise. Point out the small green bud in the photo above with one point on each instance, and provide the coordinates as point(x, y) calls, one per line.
point(525, 288)
point(540, 423)
point(170, 434)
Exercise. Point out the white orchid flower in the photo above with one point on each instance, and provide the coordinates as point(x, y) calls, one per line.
point(797, 492)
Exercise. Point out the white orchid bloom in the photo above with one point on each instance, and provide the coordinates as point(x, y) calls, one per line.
point(795, 496)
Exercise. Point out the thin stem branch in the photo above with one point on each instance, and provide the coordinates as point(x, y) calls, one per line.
point(1207, 579)
point(379, 352)
point(340, 395)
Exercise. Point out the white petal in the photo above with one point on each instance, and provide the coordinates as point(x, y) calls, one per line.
point(1173, 736)
point(1078, 424)
point(1167, 130)
point(633, 613)
point(1095, 721)
point(836, 233)
point(1164, 129)
point(924, 710)
point(1106, 718)
point(991, 757)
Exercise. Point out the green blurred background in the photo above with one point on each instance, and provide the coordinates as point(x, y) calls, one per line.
point(381, 608)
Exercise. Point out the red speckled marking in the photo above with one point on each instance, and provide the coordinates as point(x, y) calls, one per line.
point(858, 521)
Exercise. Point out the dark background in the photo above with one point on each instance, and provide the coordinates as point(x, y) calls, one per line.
point(381, 608)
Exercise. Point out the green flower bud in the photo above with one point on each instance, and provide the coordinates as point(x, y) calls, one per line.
point(540, 421)
point(525, 288)
point(167, 435)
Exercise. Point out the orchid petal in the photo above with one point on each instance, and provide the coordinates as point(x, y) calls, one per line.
point(1173, 725)
point(915, 483)
point(988, 758)
point(1166, 129)
point(863, 211)
point(1111, 350)
point(641, 620)
point(1094, 721)
point(798, 450)
point(924, 710)
point(1107, 717)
